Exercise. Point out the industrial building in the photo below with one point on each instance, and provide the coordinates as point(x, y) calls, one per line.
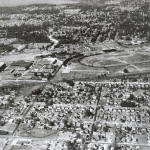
point(21, 65)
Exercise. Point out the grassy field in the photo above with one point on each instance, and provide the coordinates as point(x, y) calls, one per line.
point(119, 69)
point(39, 133)
point(145, 65)
point(114, 59)
point(27, 90)
point(24, 147)
point(112, 64)
point(138, 57)
point(43, 133)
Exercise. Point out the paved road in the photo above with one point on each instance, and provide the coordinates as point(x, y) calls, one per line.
point(13, 137)
point(22, 81)
point(8, 146)
point(129, 144)
point(107, 82)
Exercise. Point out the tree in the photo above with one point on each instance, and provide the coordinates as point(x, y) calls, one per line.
point(70, 82)
point(88, 113)
point(127, 104)
point(131, 97)
point(49, 76)
point(125, 70)
point(35, 74)
point(42, 74)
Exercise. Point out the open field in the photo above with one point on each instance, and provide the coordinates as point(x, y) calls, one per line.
point(78, 71)
point(2, 143)
point(145, 65)
point(112, 64)
point(40, 133)
point(24, 147)
point(113, 59)
point(28, 55)
point(116, 62)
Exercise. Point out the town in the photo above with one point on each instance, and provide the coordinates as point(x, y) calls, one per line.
point(75, 75)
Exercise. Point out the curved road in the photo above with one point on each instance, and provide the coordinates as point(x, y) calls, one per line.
point(54, 40)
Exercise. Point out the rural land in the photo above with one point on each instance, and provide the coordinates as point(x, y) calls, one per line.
point(75, 75)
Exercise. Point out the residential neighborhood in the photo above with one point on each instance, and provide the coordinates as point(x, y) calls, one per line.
point(75, 75)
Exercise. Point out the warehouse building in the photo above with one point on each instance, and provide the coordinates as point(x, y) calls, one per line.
point(21, 65)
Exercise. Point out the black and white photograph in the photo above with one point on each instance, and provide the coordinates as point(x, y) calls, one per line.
point(74, 74)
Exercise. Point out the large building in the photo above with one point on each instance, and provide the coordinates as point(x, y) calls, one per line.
point(21, 65)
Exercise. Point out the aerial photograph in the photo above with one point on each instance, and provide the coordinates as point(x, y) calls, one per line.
point(74, 74)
